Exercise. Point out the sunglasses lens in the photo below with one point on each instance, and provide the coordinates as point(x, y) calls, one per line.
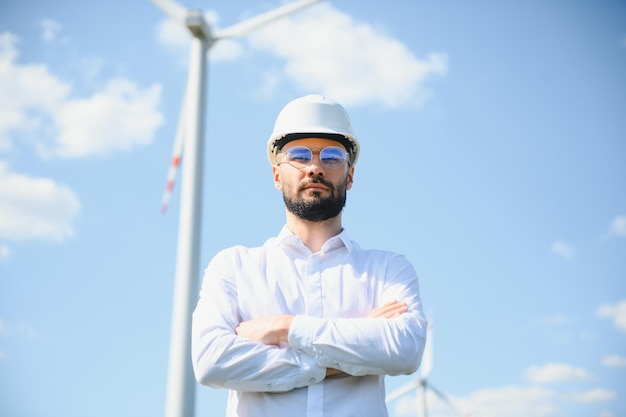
point(299, 156)
point(333, 157)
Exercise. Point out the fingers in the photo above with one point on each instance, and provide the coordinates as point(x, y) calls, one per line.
point(389, 310)
point(395, 309)
point(269, 330)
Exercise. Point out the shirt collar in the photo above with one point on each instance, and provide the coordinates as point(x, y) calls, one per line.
point(286, 237)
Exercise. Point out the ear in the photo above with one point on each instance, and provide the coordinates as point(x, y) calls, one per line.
point(350, 178)
point(278, 181)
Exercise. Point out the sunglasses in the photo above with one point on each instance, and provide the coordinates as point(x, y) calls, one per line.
point(301, 156)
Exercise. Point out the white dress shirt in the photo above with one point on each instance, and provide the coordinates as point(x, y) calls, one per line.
point(330, 292)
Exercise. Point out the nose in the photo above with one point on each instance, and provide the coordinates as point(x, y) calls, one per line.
point(315, 168)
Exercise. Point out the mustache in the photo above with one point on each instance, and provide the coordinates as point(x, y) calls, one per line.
point(316, 180)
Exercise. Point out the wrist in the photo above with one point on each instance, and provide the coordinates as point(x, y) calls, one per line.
point(285, 326)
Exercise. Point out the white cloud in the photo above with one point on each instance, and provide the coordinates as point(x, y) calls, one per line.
point(563, 249)
point(618, 226)
point(90, 67)
point(616, 312)
point(614, 361)
point(556, 373)
point(496, 402)
point(594, 396)
point(513, 402)
point(175, 39)
point(226, 50)
point(119, 117)
point(36, 107)
point(35, 208)
point(509, 401)
point(327, 51)
point(29, 92)
point(50, 29)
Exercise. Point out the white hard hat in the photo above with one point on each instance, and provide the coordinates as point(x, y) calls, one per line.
point(313, 116)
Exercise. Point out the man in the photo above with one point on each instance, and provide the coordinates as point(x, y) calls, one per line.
point(309, 323)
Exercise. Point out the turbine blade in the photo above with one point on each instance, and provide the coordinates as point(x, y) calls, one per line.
point(242, 28)
point(445, 399)
point(177, 153)
point(427, 358)
point(175, 11)
point(402, 390)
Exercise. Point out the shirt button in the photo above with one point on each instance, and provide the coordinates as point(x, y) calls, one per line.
point(268, 386)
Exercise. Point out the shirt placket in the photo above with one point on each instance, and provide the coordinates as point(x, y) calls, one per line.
point(314, 308)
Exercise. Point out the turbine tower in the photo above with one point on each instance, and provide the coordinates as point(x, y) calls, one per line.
point(421, 383)
point(180, 397)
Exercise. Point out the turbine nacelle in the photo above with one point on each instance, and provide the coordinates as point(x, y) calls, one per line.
point(198, 26)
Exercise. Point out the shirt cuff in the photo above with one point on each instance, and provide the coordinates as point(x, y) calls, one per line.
point(312, 372)
point(302, 332)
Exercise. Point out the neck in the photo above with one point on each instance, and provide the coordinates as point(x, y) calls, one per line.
point(314, 234)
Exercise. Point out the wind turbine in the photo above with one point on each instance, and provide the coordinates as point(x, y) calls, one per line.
point(421, 384)
point(180, 397)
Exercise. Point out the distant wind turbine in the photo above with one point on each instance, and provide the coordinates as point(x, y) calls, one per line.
point(180, 397)
point(421, 384)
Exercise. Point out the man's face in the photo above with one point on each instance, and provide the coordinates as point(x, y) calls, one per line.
point(314, 192)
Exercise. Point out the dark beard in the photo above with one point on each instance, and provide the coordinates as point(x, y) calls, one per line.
point(318, 209)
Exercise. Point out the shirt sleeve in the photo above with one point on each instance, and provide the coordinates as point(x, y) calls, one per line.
point(369, 346)
point(221, 359)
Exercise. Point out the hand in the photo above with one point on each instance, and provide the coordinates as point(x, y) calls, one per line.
point(389, 310)
point(335, 373)
point(269, 330)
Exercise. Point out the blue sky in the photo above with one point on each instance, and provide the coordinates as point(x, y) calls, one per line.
point(493, 142)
